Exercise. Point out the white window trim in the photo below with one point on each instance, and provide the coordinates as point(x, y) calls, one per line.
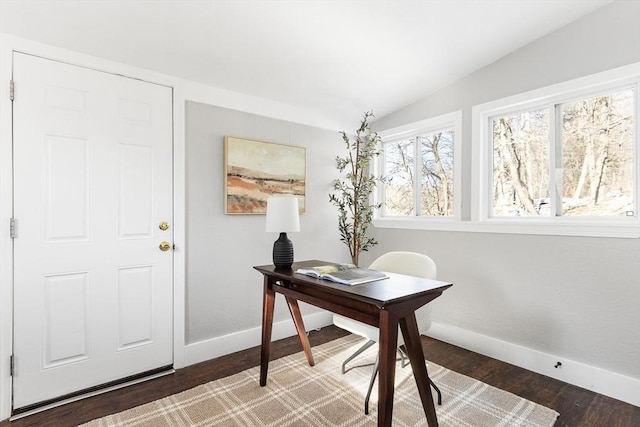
point(481, 166)
point(448, 120)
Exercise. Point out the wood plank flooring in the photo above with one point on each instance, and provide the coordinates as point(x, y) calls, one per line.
point(577, 407)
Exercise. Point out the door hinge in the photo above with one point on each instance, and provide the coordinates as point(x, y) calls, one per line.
point(12, 90)
point(12, 228)
point(12, 365)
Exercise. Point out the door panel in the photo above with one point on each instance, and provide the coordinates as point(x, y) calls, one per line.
point(65, 188)
point(65, 317)
point(135, 306)
point(135, 196)
point(93, 179)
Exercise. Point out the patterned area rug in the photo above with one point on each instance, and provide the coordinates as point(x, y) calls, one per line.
point(299, 395)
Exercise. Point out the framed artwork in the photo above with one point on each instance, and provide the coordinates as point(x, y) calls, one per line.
point(254, 170)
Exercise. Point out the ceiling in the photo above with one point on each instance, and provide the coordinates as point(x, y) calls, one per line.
point(337, 59)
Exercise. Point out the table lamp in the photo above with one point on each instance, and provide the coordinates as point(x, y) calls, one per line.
point(282, 216)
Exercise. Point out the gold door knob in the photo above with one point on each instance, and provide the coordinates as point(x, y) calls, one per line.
point(164, 246)
point(164, 226)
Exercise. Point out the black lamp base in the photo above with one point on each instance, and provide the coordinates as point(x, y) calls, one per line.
point(283, 252)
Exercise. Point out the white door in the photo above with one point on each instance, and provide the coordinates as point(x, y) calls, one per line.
point(92, 183)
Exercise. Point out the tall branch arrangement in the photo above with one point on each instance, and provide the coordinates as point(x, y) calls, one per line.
point(353, 191)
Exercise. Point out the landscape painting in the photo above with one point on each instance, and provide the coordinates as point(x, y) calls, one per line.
point(255, 170)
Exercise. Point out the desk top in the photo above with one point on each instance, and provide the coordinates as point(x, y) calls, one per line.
point(396, 288)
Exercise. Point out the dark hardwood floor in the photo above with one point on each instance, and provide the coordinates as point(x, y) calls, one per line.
point(577, 406)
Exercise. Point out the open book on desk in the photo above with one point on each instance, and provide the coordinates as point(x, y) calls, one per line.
point(347, 274)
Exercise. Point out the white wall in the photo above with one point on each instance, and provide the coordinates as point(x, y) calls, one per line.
point(534, 300)
point(224, 293)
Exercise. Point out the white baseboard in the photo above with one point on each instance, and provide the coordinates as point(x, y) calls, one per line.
point(219, 346)
point(624, 388)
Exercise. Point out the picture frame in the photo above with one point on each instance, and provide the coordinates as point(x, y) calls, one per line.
point(255, 170)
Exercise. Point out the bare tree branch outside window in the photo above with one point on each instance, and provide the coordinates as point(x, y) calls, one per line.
point(596, 140)
point(422, 187)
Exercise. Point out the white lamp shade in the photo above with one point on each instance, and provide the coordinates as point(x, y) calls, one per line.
point(282, 214)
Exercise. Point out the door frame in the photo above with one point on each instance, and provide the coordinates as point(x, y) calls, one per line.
point(9, 44)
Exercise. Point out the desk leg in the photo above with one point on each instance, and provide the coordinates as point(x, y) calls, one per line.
point(302, 333)
point(409, 327)
point(387, 368)
point(268, 301)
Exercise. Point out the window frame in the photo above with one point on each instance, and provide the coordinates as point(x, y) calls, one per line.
point(445, 121)
point(550, 97)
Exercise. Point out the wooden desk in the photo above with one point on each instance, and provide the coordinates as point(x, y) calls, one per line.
point(385, 304)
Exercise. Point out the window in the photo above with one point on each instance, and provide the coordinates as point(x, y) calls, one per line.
point(564, 157)
point(421, 169)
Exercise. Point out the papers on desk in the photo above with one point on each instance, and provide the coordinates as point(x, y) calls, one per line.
point(346, 274)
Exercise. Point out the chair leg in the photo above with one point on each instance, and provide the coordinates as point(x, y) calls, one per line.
point(403, 351)
point(404, 358)
point(373, 379)
point(437, 391)
point(360, 350)
point(374, 374)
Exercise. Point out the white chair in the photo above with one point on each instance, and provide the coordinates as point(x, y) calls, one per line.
point(400, 262)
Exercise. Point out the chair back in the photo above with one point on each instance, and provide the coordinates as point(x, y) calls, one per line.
point(399, 262)
point(408, 263)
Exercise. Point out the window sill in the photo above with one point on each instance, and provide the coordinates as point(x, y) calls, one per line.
point(615, 229)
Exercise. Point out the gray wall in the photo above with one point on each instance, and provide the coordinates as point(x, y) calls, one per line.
point(575, 297)
point(224, 293)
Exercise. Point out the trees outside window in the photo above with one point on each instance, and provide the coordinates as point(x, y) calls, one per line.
point(399, 172)
point(419, 168)
point(437, 158)
point(573, 158)
point(598, 155)
point(557, 160)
